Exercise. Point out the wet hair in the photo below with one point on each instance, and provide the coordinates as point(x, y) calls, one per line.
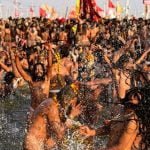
point(143, 113)
point(9, 77)
point(66, 94)
point(139, 78)
point(142, 110)
point(6, 25)
point(84, 28)
point(64, 51)
point(122, 60)
point(64, 97)
point(34, 77)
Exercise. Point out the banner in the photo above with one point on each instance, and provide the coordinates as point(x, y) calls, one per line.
point(146, 2)
point(42, 12)
point(78, 6)
point(111, 11)
point(119, 9)
point(31, 11)
point(110, 4)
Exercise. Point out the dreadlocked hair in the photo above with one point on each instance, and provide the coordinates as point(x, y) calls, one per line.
point(143, 113)
point(142, 110)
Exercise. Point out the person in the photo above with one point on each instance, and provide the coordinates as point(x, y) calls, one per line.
point(130, 131)
point(122, 66)
point(63, 67)
point(6, 88)
point(11, 77)
point(38, 80)
point(51, 119)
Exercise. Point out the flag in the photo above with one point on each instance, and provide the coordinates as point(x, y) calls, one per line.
point(31, 11)
point(119, 9)
point(42, 12)
point(78, 6)
point(111, 12)
point(97, 9)
point(146, 2)
point(72, 13)
point(48, 8)
point(16, 13)
point(110, 4)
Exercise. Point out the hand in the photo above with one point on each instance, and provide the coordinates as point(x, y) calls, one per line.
point(107, 80)
point(76, 110)
point(86, 131)
point(107, 122)
point(12, 55)
point(49, 46)
point(17, 54)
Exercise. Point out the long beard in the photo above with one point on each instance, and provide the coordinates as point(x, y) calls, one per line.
point(38, 78)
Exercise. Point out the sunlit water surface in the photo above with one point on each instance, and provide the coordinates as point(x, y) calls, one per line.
point(13, 117)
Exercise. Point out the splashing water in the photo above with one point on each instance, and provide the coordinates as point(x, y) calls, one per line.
point(13, 118)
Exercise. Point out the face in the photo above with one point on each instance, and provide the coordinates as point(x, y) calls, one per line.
point(39, 71)
point(109, 53)
point(134, 100)
point(68, 104)
point(74, 75)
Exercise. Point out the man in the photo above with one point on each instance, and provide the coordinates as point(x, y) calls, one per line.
point(130, 131)
point(63, 67)
point(38, 80)
point(50, 120)
point(122, 65)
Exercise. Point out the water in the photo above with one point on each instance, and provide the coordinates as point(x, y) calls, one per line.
point(13, 117)
point(13, 112)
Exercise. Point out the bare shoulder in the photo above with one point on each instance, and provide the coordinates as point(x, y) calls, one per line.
point(43, 107)
point(132, 125)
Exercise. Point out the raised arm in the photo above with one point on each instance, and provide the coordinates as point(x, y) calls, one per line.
point(128, 137)
point(7, 69)
point(107, 60)
point(25, 76)
point(14, 68)
point(123, 50)
point(49, 67)
point(142, 57)
point(104, 51)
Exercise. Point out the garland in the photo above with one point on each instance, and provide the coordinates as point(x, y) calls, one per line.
point(58, 58)
point(75, 88)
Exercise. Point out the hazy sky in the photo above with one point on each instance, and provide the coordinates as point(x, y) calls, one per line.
point(136, 6)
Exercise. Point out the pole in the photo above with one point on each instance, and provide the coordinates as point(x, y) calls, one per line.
point(127, 8)
point(117, 13)
point(66, 12)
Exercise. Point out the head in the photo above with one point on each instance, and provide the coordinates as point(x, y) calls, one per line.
point(38, 72)
point(122, 62)
point(64, 51)
point(9, 77)
point(132, 98)
point(67, 97)
point(74, 75)
point(138, 99)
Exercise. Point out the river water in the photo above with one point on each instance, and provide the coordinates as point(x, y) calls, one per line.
point(13, 113)
point(13, 117)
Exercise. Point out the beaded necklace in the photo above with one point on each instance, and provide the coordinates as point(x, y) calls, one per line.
point(75, 88)
point(58, 58)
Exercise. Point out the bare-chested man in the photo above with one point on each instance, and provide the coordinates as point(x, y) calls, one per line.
point(126, 132)
point(63, 66)
point(122, 66)
point(39, 80)
point(49, 122)
point(62, 37)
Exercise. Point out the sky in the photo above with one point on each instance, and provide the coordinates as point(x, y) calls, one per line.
point(7, 6)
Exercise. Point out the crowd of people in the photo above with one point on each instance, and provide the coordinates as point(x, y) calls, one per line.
point(73, 67)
